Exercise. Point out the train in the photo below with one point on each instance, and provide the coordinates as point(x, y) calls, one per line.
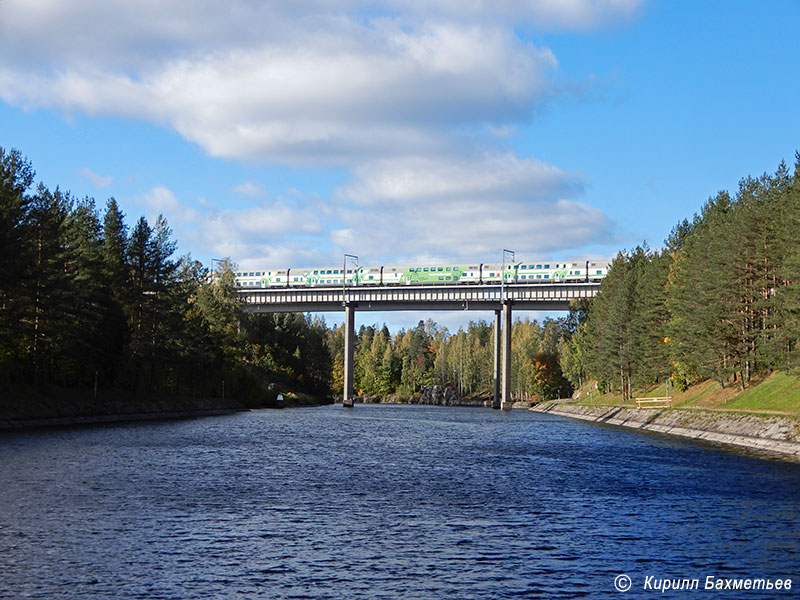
point(426, 274)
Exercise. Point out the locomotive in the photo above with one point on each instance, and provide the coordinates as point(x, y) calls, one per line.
point(422, 274)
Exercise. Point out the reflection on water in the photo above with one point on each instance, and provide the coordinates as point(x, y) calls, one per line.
point(382, 502)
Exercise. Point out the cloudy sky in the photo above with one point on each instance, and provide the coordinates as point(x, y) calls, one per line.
point(288, 133)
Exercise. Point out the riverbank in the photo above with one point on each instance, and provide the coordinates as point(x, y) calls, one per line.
point(60, 407)
point(779, 434)
point(394, 399)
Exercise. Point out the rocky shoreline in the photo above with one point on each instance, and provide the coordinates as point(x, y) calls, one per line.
point(773, 434)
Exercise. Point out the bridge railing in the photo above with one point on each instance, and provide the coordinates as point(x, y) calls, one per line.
point(555, 296)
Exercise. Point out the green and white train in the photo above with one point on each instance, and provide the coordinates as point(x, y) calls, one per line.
point(523, 272)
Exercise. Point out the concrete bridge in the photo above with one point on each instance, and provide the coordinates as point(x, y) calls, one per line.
point(500, 298)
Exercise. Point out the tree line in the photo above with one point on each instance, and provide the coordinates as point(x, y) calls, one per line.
point(399, 365)
point(88, 302)
point(720, 301)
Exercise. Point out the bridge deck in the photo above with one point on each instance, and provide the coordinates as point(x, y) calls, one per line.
point(537, 296)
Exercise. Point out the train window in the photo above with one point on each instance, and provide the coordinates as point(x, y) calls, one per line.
point(316, 272)
point(546, 276)
point(538, 266)
point(491, 274)
point(370, 276)
point(538, 277)
point(447, 269)
point(412, 270)
point(547, 266)
point(441, 268)
point(441, 277)
point(425, 269)
point(524, 267)
point(599, 272)
point(448, 278)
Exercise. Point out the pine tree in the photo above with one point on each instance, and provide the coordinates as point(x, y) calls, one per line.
point(115, 246)
point(16, 256)
point(48, 295)
point(704, 299)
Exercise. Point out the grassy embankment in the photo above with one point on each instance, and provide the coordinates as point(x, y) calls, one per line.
point(777, 394)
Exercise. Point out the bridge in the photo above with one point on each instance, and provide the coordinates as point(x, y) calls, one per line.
point(497, 297)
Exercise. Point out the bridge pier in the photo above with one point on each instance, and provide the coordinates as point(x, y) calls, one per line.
point(505, 401)
point(539, 296)
point(349, 344)
point(497, 326)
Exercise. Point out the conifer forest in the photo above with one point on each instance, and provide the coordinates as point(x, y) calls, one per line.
point(95, 302)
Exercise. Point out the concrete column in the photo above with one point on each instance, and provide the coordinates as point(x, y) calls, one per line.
point(505, 401)
point(497, 327)
point(349, 344)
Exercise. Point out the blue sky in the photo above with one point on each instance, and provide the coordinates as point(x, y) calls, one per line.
point(285, 134)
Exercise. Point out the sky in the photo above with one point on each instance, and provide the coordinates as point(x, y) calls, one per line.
point(284, 134)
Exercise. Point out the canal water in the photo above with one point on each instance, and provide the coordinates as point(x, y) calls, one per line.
point(386, 502)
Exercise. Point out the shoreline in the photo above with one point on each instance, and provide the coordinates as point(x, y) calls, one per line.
point(462, 403)
point(777, 435)
point(77, 413)
point(23, 424)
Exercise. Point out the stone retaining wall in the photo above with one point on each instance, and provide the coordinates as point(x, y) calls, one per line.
point(775, 434)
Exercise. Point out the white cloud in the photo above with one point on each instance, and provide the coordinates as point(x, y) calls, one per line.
point(101, 181)
point(134, 35)
point(161, 200)
point(330, 98)
point(254, 236)
point(542, 14)
point(303, 83)
point(249, 188)
point(397, 211)
point(459, 179)
point(466, 209)
point(413, 98)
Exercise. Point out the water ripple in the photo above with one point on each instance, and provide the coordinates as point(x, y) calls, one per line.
point(381, 502)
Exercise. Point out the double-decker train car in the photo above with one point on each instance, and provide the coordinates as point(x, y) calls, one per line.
point(421, 274)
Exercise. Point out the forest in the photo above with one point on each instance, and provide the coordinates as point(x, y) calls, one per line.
point(720, 301)
point(398, 367)
point(91, 303)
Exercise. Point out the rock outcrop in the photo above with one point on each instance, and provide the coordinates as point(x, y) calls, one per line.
point(438, 395)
